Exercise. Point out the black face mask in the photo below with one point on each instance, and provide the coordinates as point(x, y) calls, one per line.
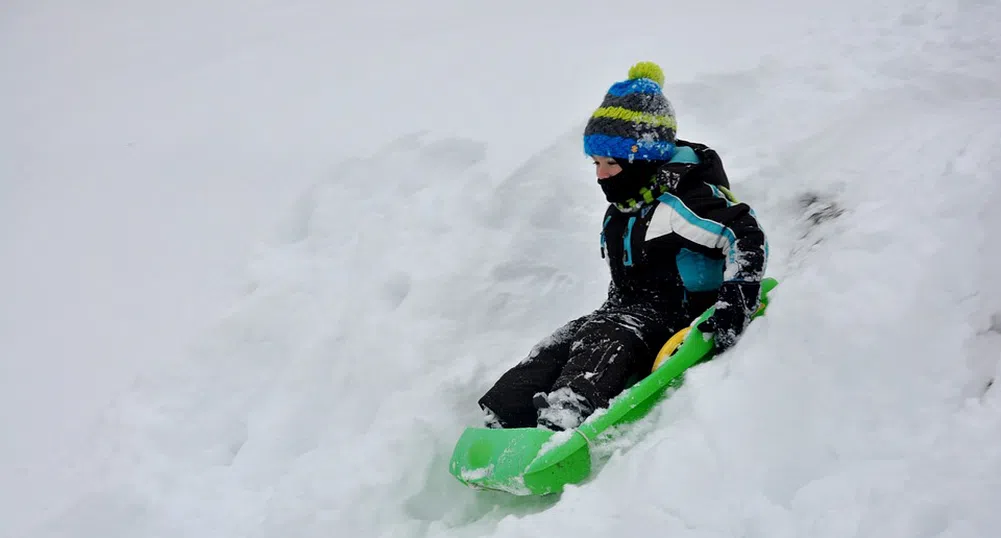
point(627, 184)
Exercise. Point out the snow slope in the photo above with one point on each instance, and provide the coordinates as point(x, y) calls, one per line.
point(407, 183)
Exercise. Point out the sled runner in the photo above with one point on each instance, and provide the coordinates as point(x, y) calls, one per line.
point(536, 461)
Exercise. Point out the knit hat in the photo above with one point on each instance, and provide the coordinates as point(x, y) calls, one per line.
point(635, 120)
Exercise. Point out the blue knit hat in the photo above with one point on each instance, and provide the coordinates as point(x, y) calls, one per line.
point(635, 120)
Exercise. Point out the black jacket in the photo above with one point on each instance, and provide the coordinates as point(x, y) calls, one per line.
point(682, 246)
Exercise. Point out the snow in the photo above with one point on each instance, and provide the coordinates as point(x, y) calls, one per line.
point(557, 439)
point(477, 474)
point(261, 259)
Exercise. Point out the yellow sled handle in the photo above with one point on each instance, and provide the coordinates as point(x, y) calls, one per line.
point(670, 347)
point(675, 341)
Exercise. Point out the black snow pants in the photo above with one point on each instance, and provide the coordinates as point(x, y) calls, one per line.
point(595, 356)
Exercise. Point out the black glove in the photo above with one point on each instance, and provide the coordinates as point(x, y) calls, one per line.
point(736, 303)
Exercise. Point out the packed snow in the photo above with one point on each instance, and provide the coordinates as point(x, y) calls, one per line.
point(261, 258)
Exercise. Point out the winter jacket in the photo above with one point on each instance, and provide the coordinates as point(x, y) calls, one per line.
point(679, 248)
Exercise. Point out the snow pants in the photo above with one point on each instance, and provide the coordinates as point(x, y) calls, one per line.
point(595, 356)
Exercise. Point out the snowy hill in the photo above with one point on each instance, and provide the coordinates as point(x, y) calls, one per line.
point(262, 258)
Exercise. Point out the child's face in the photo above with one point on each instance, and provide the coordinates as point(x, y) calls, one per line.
point(605, 167)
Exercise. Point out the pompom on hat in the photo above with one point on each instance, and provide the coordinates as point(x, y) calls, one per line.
point(635, 120)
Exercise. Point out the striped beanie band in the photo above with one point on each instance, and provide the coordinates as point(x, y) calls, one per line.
point(635, 120)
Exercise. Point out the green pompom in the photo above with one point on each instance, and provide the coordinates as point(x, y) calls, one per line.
point(648, 70)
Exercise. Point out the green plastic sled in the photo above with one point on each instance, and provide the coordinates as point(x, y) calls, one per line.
point(536, 461)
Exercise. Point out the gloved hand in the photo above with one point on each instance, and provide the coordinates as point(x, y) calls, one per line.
point(736, 303)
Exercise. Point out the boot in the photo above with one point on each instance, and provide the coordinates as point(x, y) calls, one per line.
point(490, 420)
point(562, 409)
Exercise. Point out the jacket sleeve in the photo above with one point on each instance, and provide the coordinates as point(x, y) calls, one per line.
point(705, 217)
